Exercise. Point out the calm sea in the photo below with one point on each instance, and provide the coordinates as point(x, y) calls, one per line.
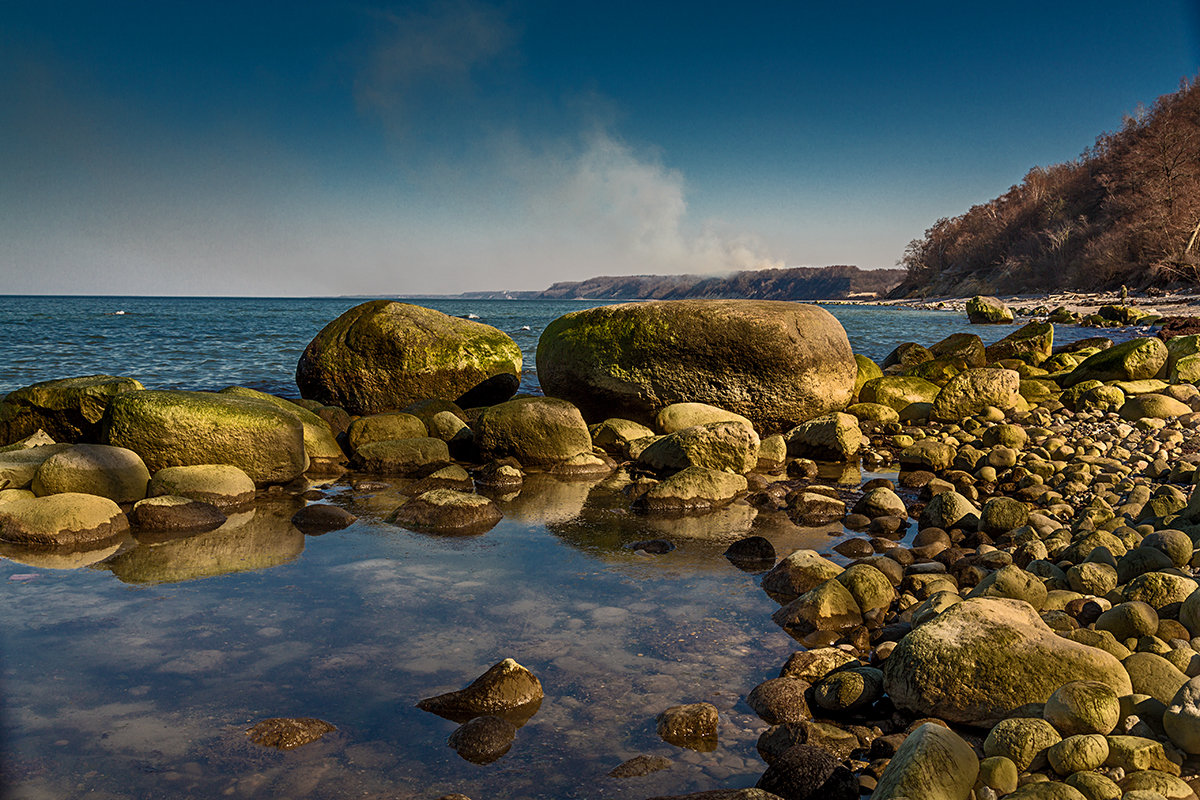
point(214, 342)
point(134, 670)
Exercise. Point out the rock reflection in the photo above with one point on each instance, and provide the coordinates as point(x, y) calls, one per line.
point(548, 500)
point(63, 558)
point(256, 539)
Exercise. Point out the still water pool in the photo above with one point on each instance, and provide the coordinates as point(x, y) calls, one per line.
point(134, 671)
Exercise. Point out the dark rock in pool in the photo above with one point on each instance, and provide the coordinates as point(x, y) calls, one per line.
point(780, 700)
point(805, 772)
point(693, 726)
point(484, 739)
point(174, 513)
point(854, 548)
point(507, 689)
point(656, 547)
point(286, 733)
point(495, 389)
point(322, 518)
point(501, 475)
point(641, 765)
point(448, 511)
point(751, 554)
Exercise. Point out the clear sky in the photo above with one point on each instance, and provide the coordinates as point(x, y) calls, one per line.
point(330, 148)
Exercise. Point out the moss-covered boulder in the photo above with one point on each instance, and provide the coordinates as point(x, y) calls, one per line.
point(933, 763)
point(678, 416)
point(536, 431)
point(65, 520)
point(172, 429)
point(775, 363)
point(1033, 343)
point(1134, 360)
point(381, 427)
point(223, 485)
point(410, 457)
point(448, 511)
point(898, 391)
point(829, 607)
point(325, 455)
point(69, 410)
point(865, 370)
point(967, 393)
point(833, 437)
point(907, 355)
point(112, 472)
point(966, 346)
point(798, 573)
point(692, 490)
point(1022, 740)
point(383, 355)
point(983, 310)
point(1152, 406)
point(984, 657)
point(1082, 707)
point(728, 446)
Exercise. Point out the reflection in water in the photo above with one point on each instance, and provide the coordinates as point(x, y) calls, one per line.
point(47, 558)
point(261, 537)
point(547, 500)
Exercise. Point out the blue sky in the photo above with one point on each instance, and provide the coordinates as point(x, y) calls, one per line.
point(364, 148)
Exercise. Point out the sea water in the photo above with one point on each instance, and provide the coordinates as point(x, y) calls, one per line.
point(133, 671)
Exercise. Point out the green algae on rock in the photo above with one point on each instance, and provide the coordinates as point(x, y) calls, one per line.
point(384, 355)
point(69, 519)
point(175, 428)
point(69, 409)
point(775, 363)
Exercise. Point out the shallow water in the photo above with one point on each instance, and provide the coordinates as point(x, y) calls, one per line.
point(133, 671)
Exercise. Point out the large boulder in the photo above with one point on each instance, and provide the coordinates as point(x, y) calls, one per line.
point(1032, 343)
point(383, 355)
point(987, 310)
point(69, 410)
point(1134, 360)
point(324, 453)
point(112, 472)
point(968, 392)
point(69, 519)
point(984, 657)
point(775, 363)
point(172, 429)
point(537, 431)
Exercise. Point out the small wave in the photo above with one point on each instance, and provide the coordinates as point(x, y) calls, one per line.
point(471, 316)
point(118, 313)
point(525, 328)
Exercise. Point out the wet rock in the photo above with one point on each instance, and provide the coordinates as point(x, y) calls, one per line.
point(828, 607)
point(61, 520)
point(725, 446)
point(880, 502)
point(693, 726)
point(640, 765)
point(402, 456)
point(849, 690)
point(174, 513)
point(451, 477)
point(285, 733)
point(814, 508)
point(1081, 707)
point(780, 700)
point(112, 472)
point(583, 465)
point(656, 547)
point(614, 435)
point(322, 518)
point(775, 363)
point(806, 772)
point(483, 740)
point(382, 427)
point(226, 487)
point(753, 553)
point(934, 763)
point(174, 428)
point(383, 355)
point(1022, 740)
point(503, 475)
point(983, 310)
point(833, 437)
point(68, 410)
point(812, 665)
point(536, 431)
point(325, 456)
point(692, 490)
point(506, 689)
point(448, 511)
point(984, 657)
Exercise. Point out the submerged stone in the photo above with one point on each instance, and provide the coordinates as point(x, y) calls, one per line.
point(288, 733)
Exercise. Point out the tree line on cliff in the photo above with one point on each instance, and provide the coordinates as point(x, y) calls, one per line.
point(1125, 212)
point(794, 283)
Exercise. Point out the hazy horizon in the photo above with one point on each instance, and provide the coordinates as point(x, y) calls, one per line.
point(342, 149)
